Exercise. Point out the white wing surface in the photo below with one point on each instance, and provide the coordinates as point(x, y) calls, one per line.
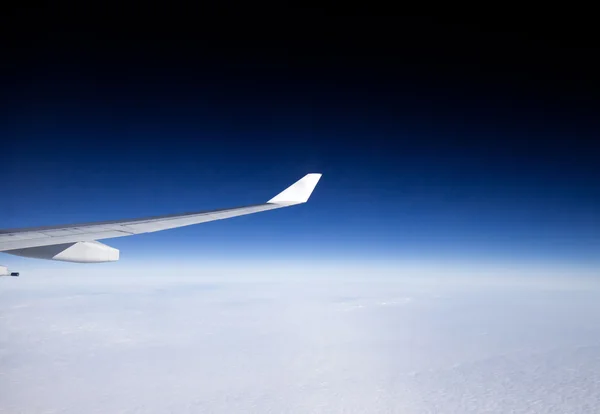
point(77, 242)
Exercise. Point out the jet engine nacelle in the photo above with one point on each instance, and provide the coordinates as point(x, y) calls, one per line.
point(80, 252)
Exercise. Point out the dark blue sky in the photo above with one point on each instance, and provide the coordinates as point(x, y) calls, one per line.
point(435, 140)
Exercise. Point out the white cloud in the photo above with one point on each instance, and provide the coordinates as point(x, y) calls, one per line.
point(273, 340)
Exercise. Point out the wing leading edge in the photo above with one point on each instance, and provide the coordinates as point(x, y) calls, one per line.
point(77, 242)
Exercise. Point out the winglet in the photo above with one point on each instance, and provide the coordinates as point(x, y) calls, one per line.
point(299, 192)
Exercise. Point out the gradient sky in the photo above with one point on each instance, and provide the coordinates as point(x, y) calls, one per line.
point(435, 140)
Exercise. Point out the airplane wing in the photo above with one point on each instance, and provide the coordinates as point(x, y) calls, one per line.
point(77, 242)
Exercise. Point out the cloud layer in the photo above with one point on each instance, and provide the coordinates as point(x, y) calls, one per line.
point(196, 342)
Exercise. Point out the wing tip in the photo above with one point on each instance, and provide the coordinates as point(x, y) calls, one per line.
point(299, 192)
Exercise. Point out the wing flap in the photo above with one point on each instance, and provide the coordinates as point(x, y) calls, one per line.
point(8, 245)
